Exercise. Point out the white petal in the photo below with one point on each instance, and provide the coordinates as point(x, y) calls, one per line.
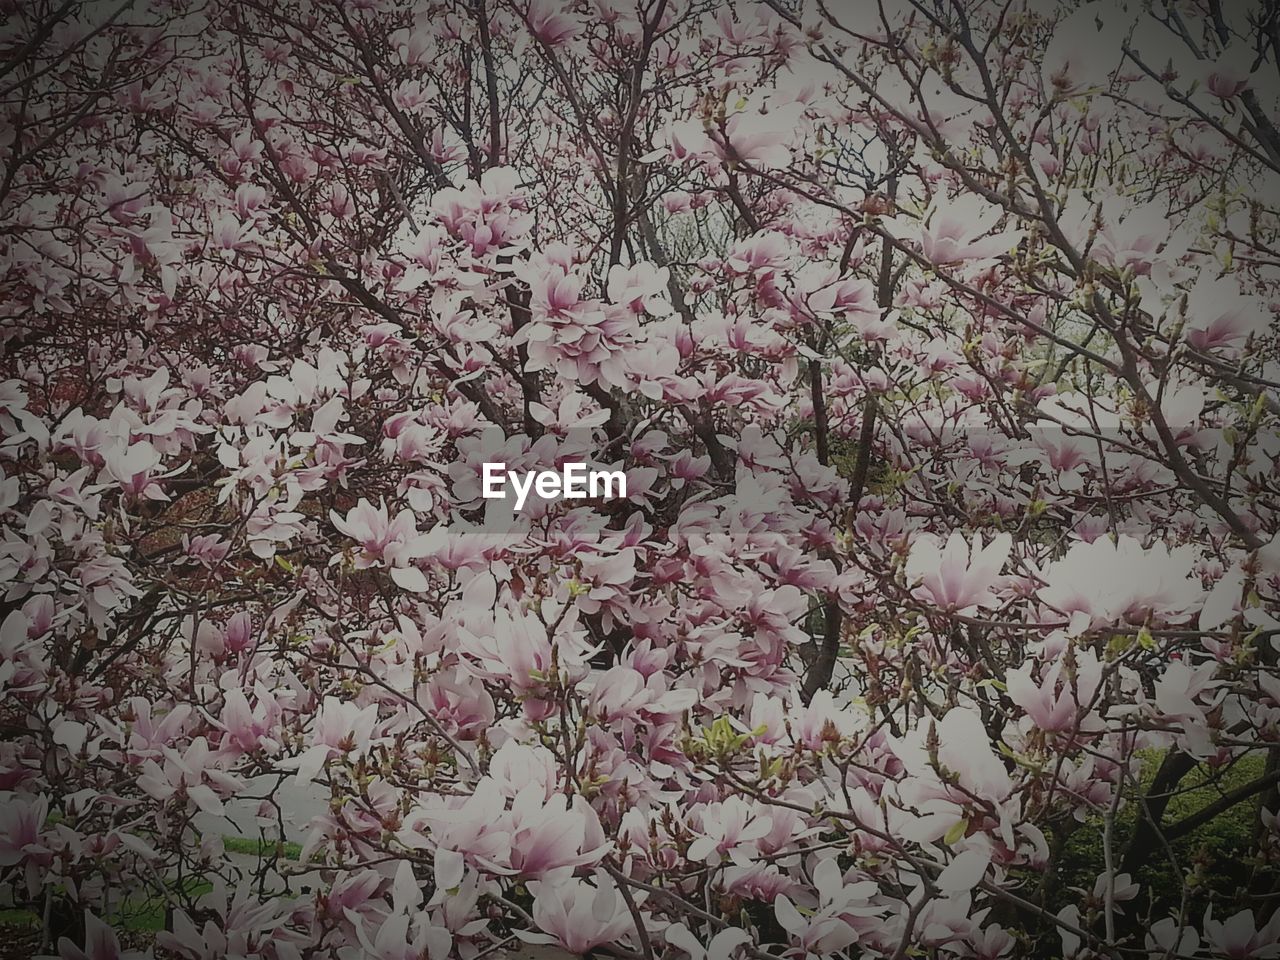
point(964, 872)
point(409, 578)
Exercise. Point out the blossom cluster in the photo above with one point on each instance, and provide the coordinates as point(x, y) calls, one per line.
point(937, 343)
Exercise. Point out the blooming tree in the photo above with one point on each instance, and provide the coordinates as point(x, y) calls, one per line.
point(936, 340)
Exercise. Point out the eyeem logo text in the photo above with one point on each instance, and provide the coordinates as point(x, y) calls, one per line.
point(572, 482)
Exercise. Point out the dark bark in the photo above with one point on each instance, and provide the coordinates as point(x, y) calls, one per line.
point(1147, 835)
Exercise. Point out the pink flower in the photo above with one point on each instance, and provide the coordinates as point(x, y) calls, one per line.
point(550, 838)
point(477, 826)
point(244, 927)
point(21, 820)
point(641, 288)
point(1133, 241)
point(958, 578)
point(1168, 937)
point(963, 748)
point(1219, 316)
point(1176, 693)
point(549, 22)
point(824, 931)
point(557, 293)
point(956, 230)
point(341, 727)
point(619, 693)
point(1054, 704)
point(391, 542)
point(404, 935)
point(459, 702)
point(100, 943)
point(720, 947)
point(576, 915)
point(1107, 582)
point(135, 467)
point(945, 920)
point(814, 724)
point(1232, 74)
point(208, 550)
point(514, 649)
point(148, 735)
point(1238, 939)
point(517, 766)
point(761, 251)
point(688, 140)
point(191, 775)
point(759, 137)
point(730, 829)
point(249, 728)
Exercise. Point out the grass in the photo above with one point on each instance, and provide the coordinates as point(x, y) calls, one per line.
point(1214, 860)
point(261, 848)
point(147, 914)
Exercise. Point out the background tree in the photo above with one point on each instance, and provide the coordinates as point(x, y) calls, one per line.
point(937, 341)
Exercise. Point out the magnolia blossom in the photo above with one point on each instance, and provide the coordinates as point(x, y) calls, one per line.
point(339, 728)
point(727, 827)
point(760, 137)
point(1220, 316)
point(1109, 582)
point(550, 24)
point(193, 774)
point(1056, 703)
point(1132, 242)
point(392, 542)
point(936, 342)
point(549, 840)
point(515, 648)
point(957, 231)
point(577, 916)
point(101, 943)
point(1176, 694)
point(1238, 938)
point(958, 577)
point(22, 820)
